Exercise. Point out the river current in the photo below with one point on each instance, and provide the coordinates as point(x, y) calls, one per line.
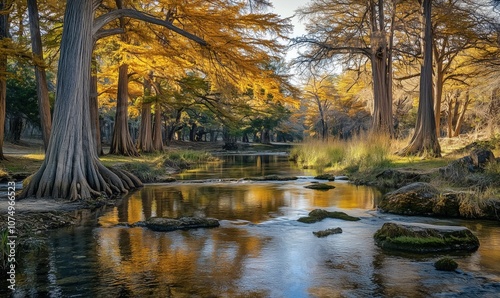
point(260, 249)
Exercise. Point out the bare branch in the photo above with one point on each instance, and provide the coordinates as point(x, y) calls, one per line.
point(101, 21)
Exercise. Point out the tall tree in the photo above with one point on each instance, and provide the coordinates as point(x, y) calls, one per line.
point(424, 141)
point(5, 6)
point(71, 168)
point(320, 93)
point(145, 142)
point(40, 74)
point(353, 30)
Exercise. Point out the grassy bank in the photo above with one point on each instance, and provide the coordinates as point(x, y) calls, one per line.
point(361, 153)
point(149, 167)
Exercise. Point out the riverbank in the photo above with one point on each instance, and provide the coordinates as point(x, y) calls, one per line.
point(388, 174)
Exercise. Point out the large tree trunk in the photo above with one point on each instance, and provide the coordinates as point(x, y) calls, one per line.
point(71, 169)
point(438, 95)
point(424, 141)
point(157, 135)
point(145, 143)
point(145, 132)
point(121, 143)
point(381, 60)
point(4, 33)
point(175, 126)
point(42, 90)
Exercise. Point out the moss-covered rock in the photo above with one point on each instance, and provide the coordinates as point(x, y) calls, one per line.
point(446, 264)
point(320, 214)
point(165, 224)
point(319, 186)
point(327, 232)
point(425, 238)
point(415, 199)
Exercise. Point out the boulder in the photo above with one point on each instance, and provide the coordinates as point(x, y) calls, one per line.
point(165, 224)
point(320, 214)
point(417, 198)
point(425, 238)
point(481, 157)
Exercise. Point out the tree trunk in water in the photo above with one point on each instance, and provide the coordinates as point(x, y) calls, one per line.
point(94, 113)
point(4, 33)
point(71, 169)
point(122, 144)
point(381, 61)
point(157, 135)
point(42, 90)
point(424, 141)
point(145, 134)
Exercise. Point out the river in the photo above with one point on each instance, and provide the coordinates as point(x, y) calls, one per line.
point(260, 249)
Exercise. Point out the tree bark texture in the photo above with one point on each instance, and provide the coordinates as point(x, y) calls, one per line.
point(424, 141)
point(94, 113)
point(122, 144)
point(145, 142)
point(157, 134)
point(381, 60)
point(4, 33)
point(42, 90)
point(71, 169)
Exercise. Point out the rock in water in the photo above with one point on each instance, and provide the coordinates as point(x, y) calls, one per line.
point(320, 214)
point(319, 186)
point(164, 224)
point(425, 238)
point(327, 232)
point(414, 199)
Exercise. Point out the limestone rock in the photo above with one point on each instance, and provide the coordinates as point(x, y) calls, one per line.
point(417, 198)
point(425, 238)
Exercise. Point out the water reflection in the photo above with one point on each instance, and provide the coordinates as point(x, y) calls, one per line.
point(254, 202)
point(260, 250)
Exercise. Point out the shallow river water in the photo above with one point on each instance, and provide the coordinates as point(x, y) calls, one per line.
point(260, 250)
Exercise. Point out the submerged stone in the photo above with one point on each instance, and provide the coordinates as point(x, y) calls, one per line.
point(425, 238)
point(327, 232)
point(320, 186)
point(320, 214)
point(446, 264)
point(272, 178)
point(164, 224)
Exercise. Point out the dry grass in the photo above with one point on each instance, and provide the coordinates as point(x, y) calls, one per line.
point(360, 153)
